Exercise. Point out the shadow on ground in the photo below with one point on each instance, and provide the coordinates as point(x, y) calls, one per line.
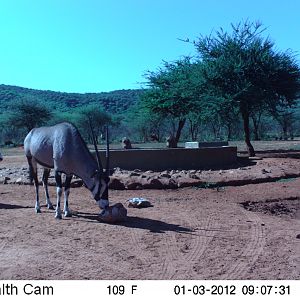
point(12, 206)
point(155, 226)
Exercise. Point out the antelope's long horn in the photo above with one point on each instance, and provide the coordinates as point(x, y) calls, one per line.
point(96, 148)
point(107, 152)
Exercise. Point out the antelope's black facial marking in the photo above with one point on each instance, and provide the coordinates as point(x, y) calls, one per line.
point(100, 187)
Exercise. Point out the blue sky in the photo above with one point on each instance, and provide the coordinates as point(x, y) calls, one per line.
point(103, 45)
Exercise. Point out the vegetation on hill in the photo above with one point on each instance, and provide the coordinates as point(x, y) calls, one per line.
point(114, 102)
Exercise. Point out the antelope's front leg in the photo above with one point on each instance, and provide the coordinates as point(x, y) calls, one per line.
point(45, 184)
point(58, 194)
point(67, 212)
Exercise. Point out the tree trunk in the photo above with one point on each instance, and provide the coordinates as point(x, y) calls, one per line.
point(250, 148)
point(193, 131)
point(256, 127)
point(285, 128)
point(229, 131)
point(179, 129)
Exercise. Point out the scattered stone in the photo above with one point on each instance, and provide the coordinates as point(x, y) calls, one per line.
point(155, 183)
point(132, 174)
point(165, 175)
point(172, 172)
point(194, 176)
point(172, 184)
point(2, 180)
point(116, 184)
point(139, 203)
point(133, 186)
point(148, 172)
point(176, 176)
point(192, 171)
point(19, 180)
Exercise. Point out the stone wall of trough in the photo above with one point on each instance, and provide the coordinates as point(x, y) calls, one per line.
point(166, 159)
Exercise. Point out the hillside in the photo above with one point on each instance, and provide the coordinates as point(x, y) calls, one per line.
point(113, 102)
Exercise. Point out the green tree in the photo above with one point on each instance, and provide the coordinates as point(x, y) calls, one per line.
point(29, 114)
point(98, 118)
point(244, 68)
point(286, 119)
point(173, 92)
point(142, 123)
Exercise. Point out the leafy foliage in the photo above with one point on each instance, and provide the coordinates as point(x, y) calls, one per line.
point(243, 68)
point(28, 114)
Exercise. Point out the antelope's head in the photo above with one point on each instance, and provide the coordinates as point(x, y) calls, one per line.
point(101, 177)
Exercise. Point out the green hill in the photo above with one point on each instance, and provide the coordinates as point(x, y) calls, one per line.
point(114, 102)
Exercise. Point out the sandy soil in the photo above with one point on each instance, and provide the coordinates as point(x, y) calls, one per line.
point(233, 232)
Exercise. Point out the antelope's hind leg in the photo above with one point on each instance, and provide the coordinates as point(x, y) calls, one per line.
point(45, 184)
point(59, 193)
point(34, 177)
point(67, 212)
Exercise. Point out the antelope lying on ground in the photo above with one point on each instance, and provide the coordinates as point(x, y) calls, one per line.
point(61, 147)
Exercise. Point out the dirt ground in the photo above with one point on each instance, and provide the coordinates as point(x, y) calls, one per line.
point(250, 231)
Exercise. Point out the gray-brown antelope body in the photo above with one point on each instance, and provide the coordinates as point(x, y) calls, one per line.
point(61, 147)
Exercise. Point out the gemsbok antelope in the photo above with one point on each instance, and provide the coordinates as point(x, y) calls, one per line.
point(61, 147)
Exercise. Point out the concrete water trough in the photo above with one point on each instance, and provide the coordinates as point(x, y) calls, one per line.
point(205, 144)
point(175, 158)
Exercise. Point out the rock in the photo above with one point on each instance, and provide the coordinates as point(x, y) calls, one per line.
point(187, 182)
point(194, 176)
point(2, 180)
point(117, 169)
point(134, 186)
point(116, 184)
point(114, 213)
point(6, 179)
point(172, 184)
point(172, 172)
point(132, 174)
point(19, 180)
point(176, 176)
point(165, 175)
point(155, 183)
point(148, 172)
point(139, 203)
